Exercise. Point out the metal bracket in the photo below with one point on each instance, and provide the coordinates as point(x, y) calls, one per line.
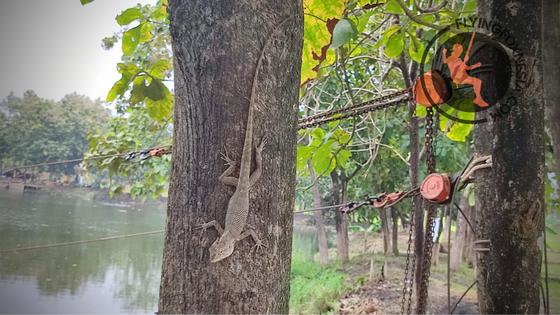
point(485, 246)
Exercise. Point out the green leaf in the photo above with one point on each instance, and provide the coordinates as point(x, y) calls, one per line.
point(551, 231)
point(84, 2)
point(342, 33)
point(395, 45)
point(136, 35)
point(429, 18)
point(387, 35)
point(130, 40)
point(460, 131)
point(139, 90)
point(321, 160)
point(127, 69)
point(393, 7)
point(462, 108)
point(320, 17)
point(160, 110)
point(343, 157)
point(156, 90)
point(118, 88)
point(470, 6)
point(128, 16)
point(420, 111)
point(304, 153)
point(161, 12)
point(160, 68)
point(416, 48)
point(317, 136)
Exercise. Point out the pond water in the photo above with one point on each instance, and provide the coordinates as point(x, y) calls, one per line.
point(115, 276)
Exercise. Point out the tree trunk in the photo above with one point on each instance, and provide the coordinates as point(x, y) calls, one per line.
point(510, 195)
point(395, 241)
point(468, 253)
point(438, 225)
point(456, 252)
point(216, 45)
point(385, 230)
point(551, 73)
point(414, 160)
point(341, 220)
point(318, 217)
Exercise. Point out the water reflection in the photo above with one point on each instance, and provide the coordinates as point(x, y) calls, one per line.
point(116, 276)
point(113, 276)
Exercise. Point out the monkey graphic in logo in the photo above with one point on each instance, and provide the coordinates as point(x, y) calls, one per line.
point(459, 80)
point(458, 70)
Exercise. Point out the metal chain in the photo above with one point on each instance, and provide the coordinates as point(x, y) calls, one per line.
point(350, 113)
point(429, 141)
point(349, 108)
point(428, 238)
point(408, 282)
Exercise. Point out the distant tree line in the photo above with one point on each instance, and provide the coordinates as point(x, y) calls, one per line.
point(35, 130)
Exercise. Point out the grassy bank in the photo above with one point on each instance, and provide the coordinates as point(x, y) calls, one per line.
point(314, 289)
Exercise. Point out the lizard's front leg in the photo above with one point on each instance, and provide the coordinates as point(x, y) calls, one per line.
point(250, 232)
point(258, 159)
point(225, 178)
point(212, 223)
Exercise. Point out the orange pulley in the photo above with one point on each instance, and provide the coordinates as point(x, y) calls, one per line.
point(436, 188)
point(432, 88)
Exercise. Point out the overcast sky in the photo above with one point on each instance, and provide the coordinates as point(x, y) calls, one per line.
point(54, 46)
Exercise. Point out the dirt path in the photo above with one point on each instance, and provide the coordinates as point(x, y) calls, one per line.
point(382, 292)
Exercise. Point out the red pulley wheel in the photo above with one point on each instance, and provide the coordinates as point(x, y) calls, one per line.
point(431, 88)
point(436, 188)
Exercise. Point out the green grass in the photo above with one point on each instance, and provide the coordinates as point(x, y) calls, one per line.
point(553, 241)
point(314, 289)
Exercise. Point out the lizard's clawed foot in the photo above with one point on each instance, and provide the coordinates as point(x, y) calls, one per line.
point(202, 227)
point(227, 159)
point(259, 246)
point(260, 147)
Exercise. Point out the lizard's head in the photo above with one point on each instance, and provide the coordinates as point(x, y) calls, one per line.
point(222, 247)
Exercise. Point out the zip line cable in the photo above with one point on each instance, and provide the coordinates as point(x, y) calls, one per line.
point(106, 238)
point(127, 155)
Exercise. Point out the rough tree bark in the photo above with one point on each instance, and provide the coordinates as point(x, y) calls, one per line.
point(510, 195)
point(339, 182)
point(318, 217)
point(551, 73)
point(216, 45)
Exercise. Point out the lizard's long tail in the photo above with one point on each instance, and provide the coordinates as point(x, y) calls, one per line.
point(245, 164)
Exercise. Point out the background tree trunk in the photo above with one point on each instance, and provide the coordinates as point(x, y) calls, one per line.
point(216, 45)
point(460, 234)
point(468, 253)
point(341, 220)
point(414, 160)
point(510, 201)
point(318, 217)
point(385, 229)
point(395, 241)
